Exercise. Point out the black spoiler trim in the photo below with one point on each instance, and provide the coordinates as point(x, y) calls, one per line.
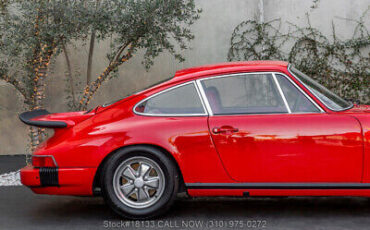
point(27, 116)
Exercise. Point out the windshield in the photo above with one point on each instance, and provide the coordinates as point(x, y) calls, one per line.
point(330, 99)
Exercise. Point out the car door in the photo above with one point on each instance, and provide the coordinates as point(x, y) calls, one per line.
point(266, 129)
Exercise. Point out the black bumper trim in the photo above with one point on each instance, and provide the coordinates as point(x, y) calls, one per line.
point(27, 116)
point(49, 176)
point(277, 185)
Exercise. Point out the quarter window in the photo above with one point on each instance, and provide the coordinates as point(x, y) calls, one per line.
point(296, 100)
point(330, 99)
point(244, 94)
point(183, 100)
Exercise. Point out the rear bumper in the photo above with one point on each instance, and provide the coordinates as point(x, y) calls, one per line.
point(59, 181)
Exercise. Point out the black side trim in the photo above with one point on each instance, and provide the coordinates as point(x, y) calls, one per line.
point(49, 176)
point(27, 116)
point(278, 185)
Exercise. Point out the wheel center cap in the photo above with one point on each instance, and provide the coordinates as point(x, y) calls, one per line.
point(139, 182)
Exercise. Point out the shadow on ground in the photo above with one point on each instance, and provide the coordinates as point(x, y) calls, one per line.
point(21, 209)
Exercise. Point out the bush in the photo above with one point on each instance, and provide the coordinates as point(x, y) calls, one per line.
point(341, 65)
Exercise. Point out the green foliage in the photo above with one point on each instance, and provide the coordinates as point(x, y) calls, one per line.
point(152, 26)
point(252, 40)
point(33, 31)
point(341, 65)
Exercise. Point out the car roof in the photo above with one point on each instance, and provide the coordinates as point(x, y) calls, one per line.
point(193, 73)
point(229, 67)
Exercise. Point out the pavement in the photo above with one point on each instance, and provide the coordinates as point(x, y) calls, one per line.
point(11, 163)
point(21, 209)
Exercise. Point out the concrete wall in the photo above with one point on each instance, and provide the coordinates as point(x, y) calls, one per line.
point(211, 44)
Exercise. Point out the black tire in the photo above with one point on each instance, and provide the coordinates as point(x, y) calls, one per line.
point(170, 188)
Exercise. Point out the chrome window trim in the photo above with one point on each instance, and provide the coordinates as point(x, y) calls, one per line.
point(205, 109)
point(303, 92)
point(177, 114)
point(204, 97)
point(318, 98)
point(233, 74)
point(281, 93)
point(210, 112)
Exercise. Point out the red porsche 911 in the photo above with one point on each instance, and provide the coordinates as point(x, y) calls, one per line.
point(258, 128)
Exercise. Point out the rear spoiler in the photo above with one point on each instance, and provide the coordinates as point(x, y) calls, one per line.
point(27, 117)
point(42, 118)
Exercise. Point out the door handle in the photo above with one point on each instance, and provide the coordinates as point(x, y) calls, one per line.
point(224, 129)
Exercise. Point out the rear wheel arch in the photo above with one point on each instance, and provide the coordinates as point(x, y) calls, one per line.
point(96, 183)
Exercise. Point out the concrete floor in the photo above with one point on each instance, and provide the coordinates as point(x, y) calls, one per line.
point(21, 209)
point(11, 163)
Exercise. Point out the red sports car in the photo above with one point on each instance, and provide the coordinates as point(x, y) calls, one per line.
point(258, 128)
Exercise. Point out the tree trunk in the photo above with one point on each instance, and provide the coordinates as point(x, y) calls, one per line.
point(91, 89)
point(39, 88)
point(90, 57)
point(37, 134)
point(34, 138)
point(70, 75)
point(119, 59)
point(39, 92)
point(91, 48)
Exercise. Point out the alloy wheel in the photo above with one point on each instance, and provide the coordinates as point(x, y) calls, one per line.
point(138, 182)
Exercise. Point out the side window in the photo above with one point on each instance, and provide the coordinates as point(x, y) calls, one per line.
point(296, 100)
point(244, 94)
point(183, 100)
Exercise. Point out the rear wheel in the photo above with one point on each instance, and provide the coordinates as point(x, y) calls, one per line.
point(139, 182)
